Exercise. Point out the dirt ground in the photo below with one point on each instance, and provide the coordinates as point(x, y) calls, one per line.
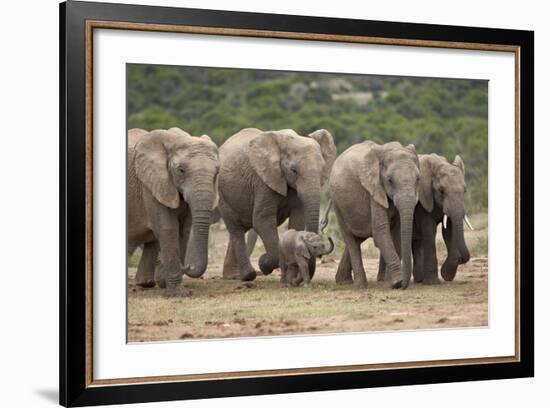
point(222, 308)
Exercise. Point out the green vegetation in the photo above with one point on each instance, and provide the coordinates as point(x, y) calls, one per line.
point(444, 116)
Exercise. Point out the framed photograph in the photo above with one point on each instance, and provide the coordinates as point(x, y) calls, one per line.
point(256, 204)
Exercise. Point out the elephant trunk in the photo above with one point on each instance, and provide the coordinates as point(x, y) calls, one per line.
point(406, 212)
point(311, 198)
point(201, 213)
point(458, 252)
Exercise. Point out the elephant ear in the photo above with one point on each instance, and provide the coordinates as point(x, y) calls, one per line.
point(328, 149)
point(425, 196)
point(134, 135)
point(151, 162)
point(459, 163)
point(265, 158)
point(370, 176)
point(301, 247)
point(179, 132)
point(412, 148)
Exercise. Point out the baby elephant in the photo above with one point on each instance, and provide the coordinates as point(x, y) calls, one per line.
point(296, 248)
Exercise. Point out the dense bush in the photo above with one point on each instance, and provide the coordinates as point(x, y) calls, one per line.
point(445, 116)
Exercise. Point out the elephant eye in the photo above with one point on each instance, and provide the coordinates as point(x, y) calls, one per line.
point(181, 170)
point(294, 170)
point(390, 181)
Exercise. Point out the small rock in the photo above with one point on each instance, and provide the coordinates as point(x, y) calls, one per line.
point(246, 285)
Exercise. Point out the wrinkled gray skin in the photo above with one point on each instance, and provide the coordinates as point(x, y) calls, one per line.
point(374, 190)
point(171, 190)
point(265, 178)
point(441, 192)
point(442, 189)
point(190, 254)
point(296, 249)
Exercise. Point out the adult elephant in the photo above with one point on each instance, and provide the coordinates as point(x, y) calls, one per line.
point(442, 188)
point(265, 178)
point(374, 190)
point(171, 178)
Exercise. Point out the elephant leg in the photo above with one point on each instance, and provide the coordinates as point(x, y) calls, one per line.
point(284, 268)
point(170, 260)
point(343, 274)
point(251, 239)
point(418, 260)
point(381, 276)
point(265, 223)
point(383, 240)
point(450, 265)
point(160, 278)
point(293, 275)
point(353, 246)
point(303, 273)
point(429, 251)
point(145, 276)
point(230, 265)
point(236, 255)
point(269, 261)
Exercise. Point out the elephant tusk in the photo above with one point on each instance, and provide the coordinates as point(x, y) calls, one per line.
point(468, 222)
point(445, 221)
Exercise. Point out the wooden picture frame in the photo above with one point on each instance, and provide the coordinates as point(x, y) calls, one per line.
point(78, 20)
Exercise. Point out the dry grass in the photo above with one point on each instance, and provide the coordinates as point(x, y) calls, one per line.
point(221, 308)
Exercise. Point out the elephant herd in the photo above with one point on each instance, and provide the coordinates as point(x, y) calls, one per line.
point(179, 184)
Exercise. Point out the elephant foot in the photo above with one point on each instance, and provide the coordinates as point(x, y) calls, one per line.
point(231, 272)
point(360, 284)
point(418, 276)
point(267, 265)
point(381, 276)
point(431, 279)
point(161, 283)
point(393, 279)
point(344, 278)
point(344, 282)
point(448, 271)
point(249, 274)
point(176, 292)
point(297, 280)
point(147, 284)
point(393, 285)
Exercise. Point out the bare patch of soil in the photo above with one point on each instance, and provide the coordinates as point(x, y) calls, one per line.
point(225, 309)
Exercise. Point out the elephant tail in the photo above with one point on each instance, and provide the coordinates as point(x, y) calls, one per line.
point(324, 222)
